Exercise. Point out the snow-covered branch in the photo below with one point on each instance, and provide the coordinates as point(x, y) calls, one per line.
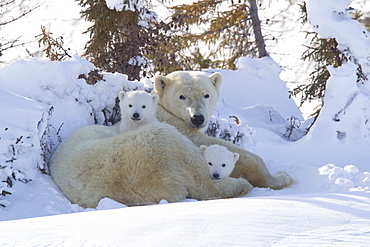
point(331, 19)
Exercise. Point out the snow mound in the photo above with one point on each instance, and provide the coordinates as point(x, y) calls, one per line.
point(258, 82)
point(345, 115)
point(20, 141)
point(56, 85)
point(344, 179)
point(43, 105)
point(235, 132)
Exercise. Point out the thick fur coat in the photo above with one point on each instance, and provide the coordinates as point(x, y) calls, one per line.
point(186, 95)
point(160, 160)
point(138, 168)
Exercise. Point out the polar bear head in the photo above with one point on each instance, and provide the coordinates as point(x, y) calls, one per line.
point(189, 95)
point(137, 108)
point(221, 161)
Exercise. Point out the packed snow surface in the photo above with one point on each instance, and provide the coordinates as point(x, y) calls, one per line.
point(327, 204)
point(42, 102)
point(301, 220)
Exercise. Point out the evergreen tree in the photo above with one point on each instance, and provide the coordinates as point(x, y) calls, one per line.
point(119, 42)
point(116, 36)
point(232, 30)
point(323, 52)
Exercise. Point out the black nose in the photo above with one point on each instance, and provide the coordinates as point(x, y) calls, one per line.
point(216, 175)
point(197, 120)
point(136, 115)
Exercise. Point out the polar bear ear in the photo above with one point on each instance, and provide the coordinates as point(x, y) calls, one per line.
point(216, 79)
point(203, 147)
point(121, 94)
point(155, 98)
point(160, 82)
point(236, 157)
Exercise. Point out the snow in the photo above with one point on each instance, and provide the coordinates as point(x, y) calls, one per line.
point(42, 102)
point(120, 5)
point(327, 204)
point(258, 76)
point(257, 221)
point(326, 14)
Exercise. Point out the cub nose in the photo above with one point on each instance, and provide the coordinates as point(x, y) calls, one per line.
point(197, 120)
point(216, 176)
point(136, 115)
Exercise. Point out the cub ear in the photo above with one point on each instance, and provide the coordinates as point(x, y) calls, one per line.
point(236, 157)
point(203, 147)
point(160, 82)
point(216, 79)
point(155, 98)
point(121, 94)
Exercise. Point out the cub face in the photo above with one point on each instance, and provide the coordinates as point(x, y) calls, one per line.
point(221, 162)
point(138, 106)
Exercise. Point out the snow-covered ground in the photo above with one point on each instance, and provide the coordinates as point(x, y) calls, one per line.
point(329, 203)
point(42, 102)
point(301, 220)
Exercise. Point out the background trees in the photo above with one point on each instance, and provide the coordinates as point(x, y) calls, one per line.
point(201, 34)
point(198, 35)
point(116, 36)
point(322, 53)
point(11, 11)
point(216, 33)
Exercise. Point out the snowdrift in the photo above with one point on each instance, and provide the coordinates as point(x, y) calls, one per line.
point(46, 103)
point(42, 102)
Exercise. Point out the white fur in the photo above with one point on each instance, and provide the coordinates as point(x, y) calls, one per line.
point(158, 161)
point(138, 108)
point(138, 167)
point(191, 96)
point(186, 94)
point(221, 162)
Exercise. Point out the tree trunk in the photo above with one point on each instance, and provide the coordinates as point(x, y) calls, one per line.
point(260, 42)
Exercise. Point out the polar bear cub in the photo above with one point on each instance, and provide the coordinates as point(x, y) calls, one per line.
point(138, 108)
point(221, 161)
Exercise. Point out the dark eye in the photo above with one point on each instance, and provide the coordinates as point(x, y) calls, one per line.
point(223, 165)
point(209, 163)
point(182, 97)
point(206, 96)
point(143, 107)
point(130, 106)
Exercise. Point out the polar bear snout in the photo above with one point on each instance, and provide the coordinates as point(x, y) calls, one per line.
point(198, 120)
point(136, 116)
point(216, 176)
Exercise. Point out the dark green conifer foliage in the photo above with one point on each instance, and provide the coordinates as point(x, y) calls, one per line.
point(228, 33)
point(114, 38)
point(323, 52)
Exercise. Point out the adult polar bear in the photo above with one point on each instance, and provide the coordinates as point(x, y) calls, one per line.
point(142, 165)
point(138, 167)
point(156, 161)
point(186, 101)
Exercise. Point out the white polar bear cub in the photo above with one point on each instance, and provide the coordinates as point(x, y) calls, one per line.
point(138, 108)
point(221, 161)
